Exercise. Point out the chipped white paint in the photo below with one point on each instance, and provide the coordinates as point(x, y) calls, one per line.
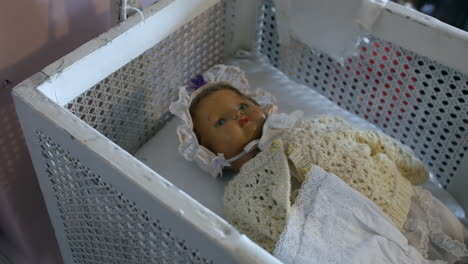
point(73, 74)
point(423, 35)
point(336, 27)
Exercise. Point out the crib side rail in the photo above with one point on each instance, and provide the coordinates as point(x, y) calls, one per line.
point(416, 99)
point(424, 35)
point(122, 82)
point(130, 104)
point(107, 207)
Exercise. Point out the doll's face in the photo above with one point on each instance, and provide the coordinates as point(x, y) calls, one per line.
point(226, 121)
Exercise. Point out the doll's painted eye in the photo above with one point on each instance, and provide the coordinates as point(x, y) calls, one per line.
point(243, 107)
point(220, 122)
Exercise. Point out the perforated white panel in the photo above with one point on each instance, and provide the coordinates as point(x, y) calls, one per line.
point(131, 104)
point(100, 223)
point(414, 99)
point(230, 17)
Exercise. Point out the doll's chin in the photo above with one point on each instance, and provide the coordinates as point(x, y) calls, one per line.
point(254, 131)
point(258, 129)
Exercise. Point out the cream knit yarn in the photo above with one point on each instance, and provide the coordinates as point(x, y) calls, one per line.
point(257, 200)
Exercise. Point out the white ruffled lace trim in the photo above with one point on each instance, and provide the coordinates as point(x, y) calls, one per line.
point(189, 147)
point(429, 228)
point(332, 223)
point(419, 231)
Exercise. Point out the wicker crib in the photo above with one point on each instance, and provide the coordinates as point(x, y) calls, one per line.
point(86, 115)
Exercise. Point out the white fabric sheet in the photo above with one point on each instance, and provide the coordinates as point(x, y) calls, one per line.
point(331, 222)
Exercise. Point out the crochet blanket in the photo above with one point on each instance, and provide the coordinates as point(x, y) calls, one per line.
point(257, 200)
point(331, 222)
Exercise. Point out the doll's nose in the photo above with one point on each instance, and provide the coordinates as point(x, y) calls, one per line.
point(237, 115)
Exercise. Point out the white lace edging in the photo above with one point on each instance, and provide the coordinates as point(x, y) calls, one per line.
point(414, 226)
point(434, 226)
point(332, 223)
point(189, 147)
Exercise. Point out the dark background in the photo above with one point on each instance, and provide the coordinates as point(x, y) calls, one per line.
point(453, 12)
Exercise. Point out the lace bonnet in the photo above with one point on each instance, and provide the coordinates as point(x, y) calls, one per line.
point(189, 147)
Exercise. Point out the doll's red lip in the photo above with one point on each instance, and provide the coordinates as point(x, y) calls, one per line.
point(244, 120)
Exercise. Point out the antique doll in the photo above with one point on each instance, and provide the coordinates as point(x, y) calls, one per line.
point(228, 126)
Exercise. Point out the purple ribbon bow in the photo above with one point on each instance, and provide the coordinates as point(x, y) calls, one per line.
point(197, 82)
